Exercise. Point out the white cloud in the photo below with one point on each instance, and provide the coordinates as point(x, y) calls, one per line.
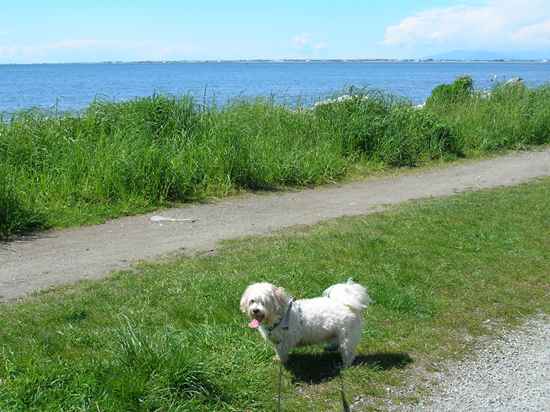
point(495, 24)
point(302, 40)
point(535, 34)
point(305, 41)
point(320, 45)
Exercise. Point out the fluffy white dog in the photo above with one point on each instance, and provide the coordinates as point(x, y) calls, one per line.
point(334, 318)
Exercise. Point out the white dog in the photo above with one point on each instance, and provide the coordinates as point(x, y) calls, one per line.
point(335, 318)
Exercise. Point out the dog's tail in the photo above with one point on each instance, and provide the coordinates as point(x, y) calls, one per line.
point(351, 294)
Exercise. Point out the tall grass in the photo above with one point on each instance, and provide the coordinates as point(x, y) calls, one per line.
point(509, 116)
point(18, 213)
point(128, 157)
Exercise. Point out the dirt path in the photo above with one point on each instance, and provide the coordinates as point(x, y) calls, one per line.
point(510, 373)
point(65, 256)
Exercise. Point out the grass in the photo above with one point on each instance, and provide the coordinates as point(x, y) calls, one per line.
point(169, 336)
point(510, 116)
point(115, 159)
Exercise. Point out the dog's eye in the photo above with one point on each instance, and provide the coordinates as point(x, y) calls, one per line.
point(252, 301)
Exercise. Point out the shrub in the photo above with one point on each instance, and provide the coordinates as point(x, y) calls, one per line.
point(266, 146)
point(412, 135)
point(509, 116)
point(17, 214)
point(457, 92)
point(358, 121)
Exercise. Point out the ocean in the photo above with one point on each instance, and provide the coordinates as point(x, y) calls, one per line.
point(71, 87)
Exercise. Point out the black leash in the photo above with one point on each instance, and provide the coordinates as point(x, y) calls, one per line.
point(279, 408)
point(345, 404)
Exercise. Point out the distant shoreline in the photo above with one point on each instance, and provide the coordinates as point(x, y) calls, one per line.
point(299, 61)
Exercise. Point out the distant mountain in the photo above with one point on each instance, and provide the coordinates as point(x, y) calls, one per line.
point(489, 55)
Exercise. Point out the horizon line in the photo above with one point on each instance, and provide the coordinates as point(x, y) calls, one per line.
point(292, 60)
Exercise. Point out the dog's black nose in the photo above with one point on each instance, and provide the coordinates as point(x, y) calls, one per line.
point(255, 311)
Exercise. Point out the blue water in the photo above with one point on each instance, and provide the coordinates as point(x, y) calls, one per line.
point(74, 86)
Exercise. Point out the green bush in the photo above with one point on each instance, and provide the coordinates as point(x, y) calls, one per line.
point(266, 146)
point(17, 213)
point(387, 129)
point(411, 136)
point(457, 92)
point(357, 121)
point(510, 115)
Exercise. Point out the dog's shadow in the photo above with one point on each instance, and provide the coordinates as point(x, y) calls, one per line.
point(321, 367)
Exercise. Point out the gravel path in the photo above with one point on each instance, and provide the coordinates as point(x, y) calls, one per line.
point(511, 373)
point(65, 256)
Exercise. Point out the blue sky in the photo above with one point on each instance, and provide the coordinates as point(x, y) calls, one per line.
point(84, 31)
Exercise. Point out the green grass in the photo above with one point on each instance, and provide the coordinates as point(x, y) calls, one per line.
point(169, 336)
point(511, 116)
point(124, 158)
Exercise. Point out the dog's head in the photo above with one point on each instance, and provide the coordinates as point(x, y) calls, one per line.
point(263, 303)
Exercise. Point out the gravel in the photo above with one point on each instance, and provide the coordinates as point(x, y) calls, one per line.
point(511, 373)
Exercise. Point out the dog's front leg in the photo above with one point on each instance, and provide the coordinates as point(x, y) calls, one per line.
point(282, 350)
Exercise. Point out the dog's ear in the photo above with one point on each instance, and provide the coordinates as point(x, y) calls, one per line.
point(244, 301)
point(280, 296)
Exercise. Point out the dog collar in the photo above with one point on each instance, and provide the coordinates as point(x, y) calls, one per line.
point(283, 323)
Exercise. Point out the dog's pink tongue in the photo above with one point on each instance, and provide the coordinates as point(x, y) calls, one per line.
point(254, 323)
